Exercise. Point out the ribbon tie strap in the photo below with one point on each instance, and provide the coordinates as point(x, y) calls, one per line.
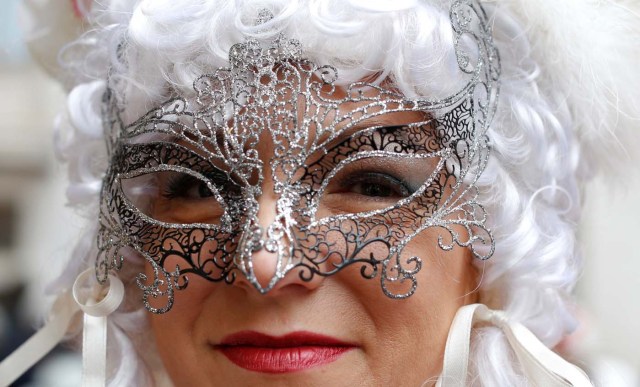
point(94, 334)
point(542, 366)
point(94, 339)
point(41, 343)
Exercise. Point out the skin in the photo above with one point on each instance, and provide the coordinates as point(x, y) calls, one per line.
point(398, 342)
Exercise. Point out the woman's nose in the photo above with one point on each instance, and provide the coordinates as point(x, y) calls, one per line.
point(266, 253)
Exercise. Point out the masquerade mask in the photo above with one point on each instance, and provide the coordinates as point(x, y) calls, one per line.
point(352, 174)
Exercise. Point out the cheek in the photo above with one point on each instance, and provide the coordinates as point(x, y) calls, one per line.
point(177, 344)
point(409, 335)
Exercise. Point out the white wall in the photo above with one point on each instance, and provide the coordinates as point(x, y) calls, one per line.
point(610, 287)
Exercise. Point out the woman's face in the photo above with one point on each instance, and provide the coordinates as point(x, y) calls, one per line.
point(330, 331)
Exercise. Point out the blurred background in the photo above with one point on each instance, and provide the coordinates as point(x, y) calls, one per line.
point(36, 229)
point(37, 233)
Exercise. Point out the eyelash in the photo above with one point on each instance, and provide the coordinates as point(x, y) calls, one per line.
point(396, 187)
point(178, 185)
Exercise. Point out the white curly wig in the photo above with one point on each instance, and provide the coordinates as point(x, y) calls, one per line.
point(568, 84)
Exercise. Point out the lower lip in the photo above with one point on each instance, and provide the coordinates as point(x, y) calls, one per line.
point(281, 360)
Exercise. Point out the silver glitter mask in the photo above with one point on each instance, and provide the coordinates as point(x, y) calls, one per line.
point(187, 180)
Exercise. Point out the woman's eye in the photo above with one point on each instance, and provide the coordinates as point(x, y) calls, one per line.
point(356, 191)
point(362, 183)
point(177, 197)
point(199, 190)
point(184, 186)
point(376, 185)
point(187, 187)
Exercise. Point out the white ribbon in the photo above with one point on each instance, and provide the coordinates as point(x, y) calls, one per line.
point(94, 334)
point(94, 344)
point(541, 366)
point(41, 343)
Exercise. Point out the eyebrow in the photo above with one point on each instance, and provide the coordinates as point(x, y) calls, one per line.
point(384, 120)
point(381, 121)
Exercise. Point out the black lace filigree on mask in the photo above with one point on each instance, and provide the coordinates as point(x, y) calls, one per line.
point(185, 181)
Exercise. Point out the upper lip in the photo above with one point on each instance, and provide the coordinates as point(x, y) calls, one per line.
point(293, 339)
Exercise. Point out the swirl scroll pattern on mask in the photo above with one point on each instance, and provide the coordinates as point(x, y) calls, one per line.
point(274, 91)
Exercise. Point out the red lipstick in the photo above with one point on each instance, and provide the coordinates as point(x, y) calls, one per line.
point(292, 352)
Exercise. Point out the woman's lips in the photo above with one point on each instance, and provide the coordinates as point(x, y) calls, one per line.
point(292, 352)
